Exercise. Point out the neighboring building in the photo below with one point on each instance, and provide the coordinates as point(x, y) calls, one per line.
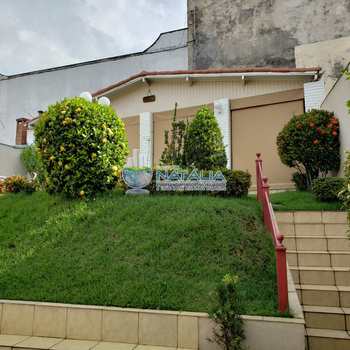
point(336, 101)
point(22, 95)
point(251, 104)
point(226, 33)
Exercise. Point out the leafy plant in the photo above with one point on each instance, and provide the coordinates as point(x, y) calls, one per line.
point(174, 143)
point(226, 313)
point(300, 181)
point(310, 143)
point(82, 145)
point(16, 184)
point(327, 189)
point(238, 183)
point(34, 166)
point(203, 147)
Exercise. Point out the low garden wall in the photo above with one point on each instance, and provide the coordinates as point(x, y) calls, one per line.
point(187, 330)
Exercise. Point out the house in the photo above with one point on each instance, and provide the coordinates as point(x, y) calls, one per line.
point(336, 101)
point(23, 95)
point(251, 104)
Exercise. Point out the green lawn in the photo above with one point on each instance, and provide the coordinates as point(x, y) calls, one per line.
point(296, 200)
point(161, 252)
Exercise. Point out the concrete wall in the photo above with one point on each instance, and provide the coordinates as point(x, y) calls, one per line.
point(260, 32)
point(10, 163)
point(336, 102)
point(154, 328)
point(332, 55)
point(25, 94)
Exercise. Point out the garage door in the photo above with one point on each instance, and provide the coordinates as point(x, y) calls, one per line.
point(132, 128)
point(255, 130)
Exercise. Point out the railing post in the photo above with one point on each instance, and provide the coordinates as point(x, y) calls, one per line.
point(258, 164)
point(282, 282)
point(265, 202)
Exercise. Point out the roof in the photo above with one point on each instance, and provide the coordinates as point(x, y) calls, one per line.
point(239, 71)
point(167, 41)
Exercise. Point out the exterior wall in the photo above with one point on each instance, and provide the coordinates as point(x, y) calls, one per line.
point(229, 33)
point(173, 329)
point(10, 162)
point(23, 95)
point(336, 102)
point(255, 129)
point(331, 55)
point(129, 102)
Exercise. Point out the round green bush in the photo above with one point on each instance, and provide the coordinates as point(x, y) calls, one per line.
point(310, 143)
point(327, 189)
point(203, 146)
point(82, 145)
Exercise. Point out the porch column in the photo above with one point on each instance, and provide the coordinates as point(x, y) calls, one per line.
point(222, 113)
point(146, 139)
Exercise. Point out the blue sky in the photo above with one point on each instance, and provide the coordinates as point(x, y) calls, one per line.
point(37, 34)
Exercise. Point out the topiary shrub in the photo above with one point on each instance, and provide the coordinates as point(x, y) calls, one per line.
point(300, 181)
point(310, 143)
point(203, 146)
point(238, 183)
point(82, 145)
point(16, 184)
point(327, 189)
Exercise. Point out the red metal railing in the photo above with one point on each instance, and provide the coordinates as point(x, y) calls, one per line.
point(263, 196)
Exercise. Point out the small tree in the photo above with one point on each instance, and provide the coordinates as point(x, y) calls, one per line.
point(82, 146)
point(310, 143)
point(204, 148)
point(227, 315)
point(174, 143)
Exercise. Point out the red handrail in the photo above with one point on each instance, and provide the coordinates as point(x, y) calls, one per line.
point(263, 196)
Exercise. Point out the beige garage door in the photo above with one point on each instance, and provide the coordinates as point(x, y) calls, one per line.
point(255, 130)
point(132, 128)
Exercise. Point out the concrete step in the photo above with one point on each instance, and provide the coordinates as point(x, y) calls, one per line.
point(314, 229)
point(327, 339)
point(10, 342)
point(323, 295)
point(321, 275)
point(318, 258)
point(326, 317)
point(317, 243)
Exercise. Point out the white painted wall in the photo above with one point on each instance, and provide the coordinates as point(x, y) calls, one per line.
point(336, 102)
point(23, 95)
point(314, 94)
point(146, 139)
point(222, 113)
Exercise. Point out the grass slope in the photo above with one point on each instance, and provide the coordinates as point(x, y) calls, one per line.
point(162, 252)
point(297, 200)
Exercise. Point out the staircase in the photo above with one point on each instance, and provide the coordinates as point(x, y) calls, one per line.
point(318, 253)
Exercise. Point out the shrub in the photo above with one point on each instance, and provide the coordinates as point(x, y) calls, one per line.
point(203, 146)
point(15, 184)
point(227, 315)
point(2, 186)
point(300, 181)
point(34, 166)
point(238, 183)
point(82, 145)
point(310, 143)
point(327, 189)
point(174, 143)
